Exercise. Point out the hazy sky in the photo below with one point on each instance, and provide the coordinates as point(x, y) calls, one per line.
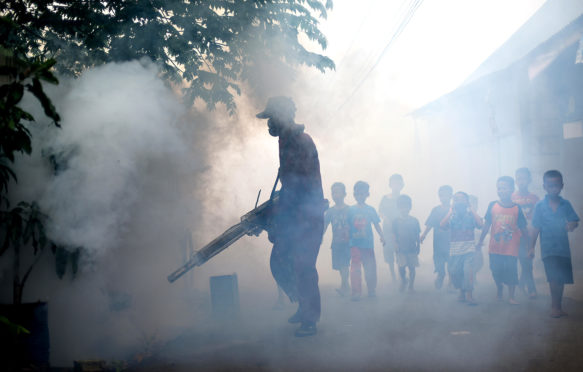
point(444, 42)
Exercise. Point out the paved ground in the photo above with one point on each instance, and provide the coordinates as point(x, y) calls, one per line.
point(427, 330)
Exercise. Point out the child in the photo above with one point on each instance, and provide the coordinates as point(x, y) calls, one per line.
point(478, 256)
point(406, 230)
point(554, 217)
point(360, 218)
point(388, 211)
point(338, 217)
point(526, 200)
point(462, 221)
point(508, 223)
point(440, 235)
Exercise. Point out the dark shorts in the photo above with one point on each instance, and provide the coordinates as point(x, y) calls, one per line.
point(340, 256)
point(504, 269)
point(558, 269)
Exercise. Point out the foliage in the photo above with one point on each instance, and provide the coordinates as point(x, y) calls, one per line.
point(24, 225)
point(208, 44)
point(11, 328)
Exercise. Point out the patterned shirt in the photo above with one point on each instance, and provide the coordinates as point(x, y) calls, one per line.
point(360, 219)
point(338, 218)
point(526, 202)
point(506, 225)
point(462, 237)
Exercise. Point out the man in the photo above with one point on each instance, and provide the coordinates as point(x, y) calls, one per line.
point(298, 221)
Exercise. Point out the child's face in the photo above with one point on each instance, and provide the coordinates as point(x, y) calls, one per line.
point(445, 197)
point(404, 210)
point(338, 195)
point(522, 181)
point(396, 185)
point(360, 195)
point(460, 203)
point(553, 186)
point(504, 190)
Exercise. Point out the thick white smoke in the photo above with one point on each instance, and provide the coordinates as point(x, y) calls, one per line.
point(117, 119)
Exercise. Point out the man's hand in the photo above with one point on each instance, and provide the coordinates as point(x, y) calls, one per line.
point(383, 241)
point(531, 253)
point(422, 238)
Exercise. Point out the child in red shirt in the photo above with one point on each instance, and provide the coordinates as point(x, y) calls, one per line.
point(506, 223)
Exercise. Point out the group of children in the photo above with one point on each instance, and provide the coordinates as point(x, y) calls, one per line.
point(514, 223)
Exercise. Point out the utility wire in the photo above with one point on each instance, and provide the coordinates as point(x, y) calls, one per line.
point(415, 4)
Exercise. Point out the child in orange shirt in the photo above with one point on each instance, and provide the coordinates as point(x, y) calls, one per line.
point(507, 224)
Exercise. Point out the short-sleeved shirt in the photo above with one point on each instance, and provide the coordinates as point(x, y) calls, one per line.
point(526, 203)
point(360, 220)
point(441, 236)
point(462, 237)
point(389, 211)
point(554, 240)
point(407, 230)
point(338, 218)
point(505, 232)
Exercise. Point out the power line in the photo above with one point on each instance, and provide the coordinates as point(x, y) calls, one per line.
point(415, 4)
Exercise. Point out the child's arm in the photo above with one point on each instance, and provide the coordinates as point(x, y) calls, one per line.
point(572, 225)
point(485, 230)
point(427, 230)
point(445, 222)
point(377, 227)
point(524, 232)
point(478, 219)
point(533, 237)
point(327, 221)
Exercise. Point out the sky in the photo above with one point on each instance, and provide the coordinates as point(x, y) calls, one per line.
point(442, 44)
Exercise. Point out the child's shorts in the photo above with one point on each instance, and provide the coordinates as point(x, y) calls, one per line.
point(340, 256)
point(407, 259)
point(558, 269)
point(504, 269)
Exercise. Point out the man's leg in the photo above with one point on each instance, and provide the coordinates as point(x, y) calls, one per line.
point(307, 277)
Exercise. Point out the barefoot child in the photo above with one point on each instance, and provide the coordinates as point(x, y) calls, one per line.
point(553, 218)
point(507, 223)
point(440, 235)
point(360, 218)
point(388, 212)
point(406, 230)
point(337, 216)
point(462, 221)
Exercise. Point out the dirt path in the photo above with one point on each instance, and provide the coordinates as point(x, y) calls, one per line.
point(427, 330)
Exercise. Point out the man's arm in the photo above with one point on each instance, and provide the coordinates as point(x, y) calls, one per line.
point(572, 225)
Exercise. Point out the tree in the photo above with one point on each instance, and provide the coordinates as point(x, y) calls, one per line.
point(207, 46)
point(21, 226)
